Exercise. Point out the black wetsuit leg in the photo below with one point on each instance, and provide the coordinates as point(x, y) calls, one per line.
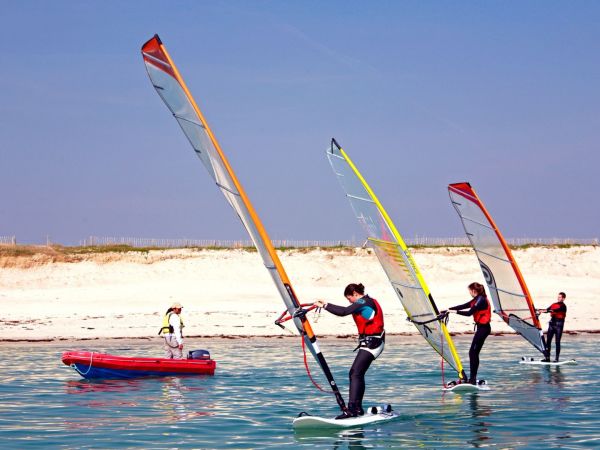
point(482, 332)
point(555, 329)
point(357, 378)
point(549, 336)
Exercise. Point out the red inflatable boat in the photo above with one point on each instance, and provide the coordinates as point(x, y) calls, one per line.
point(101, 365)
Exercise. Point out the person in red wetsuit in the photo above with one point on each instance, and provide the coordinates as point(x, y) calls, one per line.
point(479, 307)
point(558, 314)
point(368, 316)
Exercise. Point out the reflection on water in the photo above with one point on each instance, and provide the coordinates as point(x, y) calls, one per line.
point(479, 427)
point(251, 401)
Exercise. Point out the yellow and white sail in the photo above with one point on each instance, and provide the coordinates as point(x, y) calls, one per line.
point(394, 256)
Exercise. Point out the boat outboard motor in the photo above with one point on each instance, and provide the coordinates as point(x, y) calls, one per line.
point(198, 354)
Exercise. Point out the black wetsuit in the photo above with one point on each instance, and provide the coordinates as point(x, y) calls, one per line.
point(364, 358)
point(482, 331)
point(555, 328)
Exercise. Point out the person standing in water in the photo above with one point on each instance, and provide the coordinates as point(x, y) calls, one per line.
point(368, 316)
point(558, 313)
point(479, 307)
point(172, 329)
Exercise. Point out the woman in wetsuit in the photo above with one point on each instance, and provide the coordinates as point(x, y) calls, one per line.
point(368, 316)
point(481, 311)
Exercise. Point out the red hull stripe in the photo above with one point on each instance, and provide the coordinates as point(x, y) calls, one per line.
point(105, 361)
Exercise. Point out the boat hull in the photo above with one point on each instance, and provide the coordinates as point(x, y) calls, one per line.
point(101, 365)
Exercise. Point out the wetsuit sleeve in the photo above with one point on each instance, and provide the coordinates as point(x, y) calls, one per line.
point(459, 307)
point(479, 305)
point(343, 310)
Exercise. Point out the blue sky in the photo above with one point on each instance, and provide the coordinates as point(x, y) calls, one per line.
point(420, 94)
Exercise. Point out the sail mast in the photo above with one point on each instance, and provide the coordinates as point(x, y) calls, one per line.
point(172, 89)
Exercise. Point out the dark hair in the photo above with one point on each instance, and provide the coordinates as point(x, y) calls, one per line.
point(478, 288)
point(352, 288)
point(563, 295)
point(168, 311)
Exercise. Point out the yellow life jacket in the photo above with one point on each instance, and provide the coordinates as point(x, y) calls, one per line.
point(167, 327)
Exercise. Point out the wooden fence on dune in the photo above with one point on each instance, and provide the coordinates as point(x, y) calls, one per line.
point(424, 241)
point(8, 240)
point(291, 243)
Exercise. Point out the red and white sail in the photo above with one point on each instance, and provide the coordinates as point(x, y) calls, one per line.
point(510, 296)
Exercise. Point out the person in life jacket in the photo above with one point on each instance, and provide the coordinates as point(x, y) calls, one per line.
point(368, 316)
point(172, 330)
point(558, 314)
point(479, 307)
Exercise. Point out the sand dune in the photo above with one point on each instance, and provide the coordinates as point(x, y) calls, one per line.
point(228, 292)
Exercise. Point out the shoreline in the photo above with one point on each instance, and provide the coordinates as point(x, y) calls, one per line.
point(415, 336)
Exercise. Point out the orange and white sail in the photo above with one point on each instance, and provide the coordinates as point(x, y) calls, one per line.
point(170, 86)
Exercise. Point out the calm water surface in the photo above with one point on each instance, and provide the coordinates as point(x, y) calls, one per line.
point(261, 385)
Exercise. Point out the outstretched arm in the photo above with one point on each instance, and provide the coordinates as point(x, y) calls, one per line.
point(339, 310)
point(459, 307)
point(479, 305)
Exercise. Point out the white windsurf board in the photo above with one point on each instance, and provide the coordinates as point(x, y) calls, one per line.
point(467, 387)
point(308, 422)
point(539, 362)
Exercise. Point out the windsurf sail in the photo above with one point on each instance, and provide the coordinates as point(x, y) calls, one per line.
point(395, 257)
point(170, 86)
point(510, 296)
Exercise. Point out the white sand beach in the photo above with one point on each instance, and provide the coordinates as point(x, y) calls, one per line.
point(229, 293)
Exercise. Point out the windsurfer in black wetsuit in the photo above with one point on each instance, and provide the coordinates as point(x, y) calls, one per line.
point(368, 316)
point(481, 311)
point(558, 313)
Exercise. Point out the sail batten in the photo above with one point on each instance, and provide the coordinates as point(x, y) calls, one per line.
point(510, 295)
point(489, 254)
point(170, 86)
point(394, 257)
point(477, 223)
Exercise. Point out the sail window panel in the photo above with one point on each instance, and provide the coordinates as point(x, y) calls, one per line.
point(413, 298)
point(371, 220)
point(528, 331)
point(201, 142)
point(481, 233)
point(365, 209)
point(172, 93)
point(500, 275)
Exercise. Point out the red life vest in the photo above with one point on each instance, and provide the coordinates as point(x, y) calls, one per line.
point(557, 315)
point(373, 326)
point(482, 317)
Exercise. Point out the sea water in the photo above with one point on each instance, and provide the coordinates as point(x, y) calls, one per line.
point(260, 385)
